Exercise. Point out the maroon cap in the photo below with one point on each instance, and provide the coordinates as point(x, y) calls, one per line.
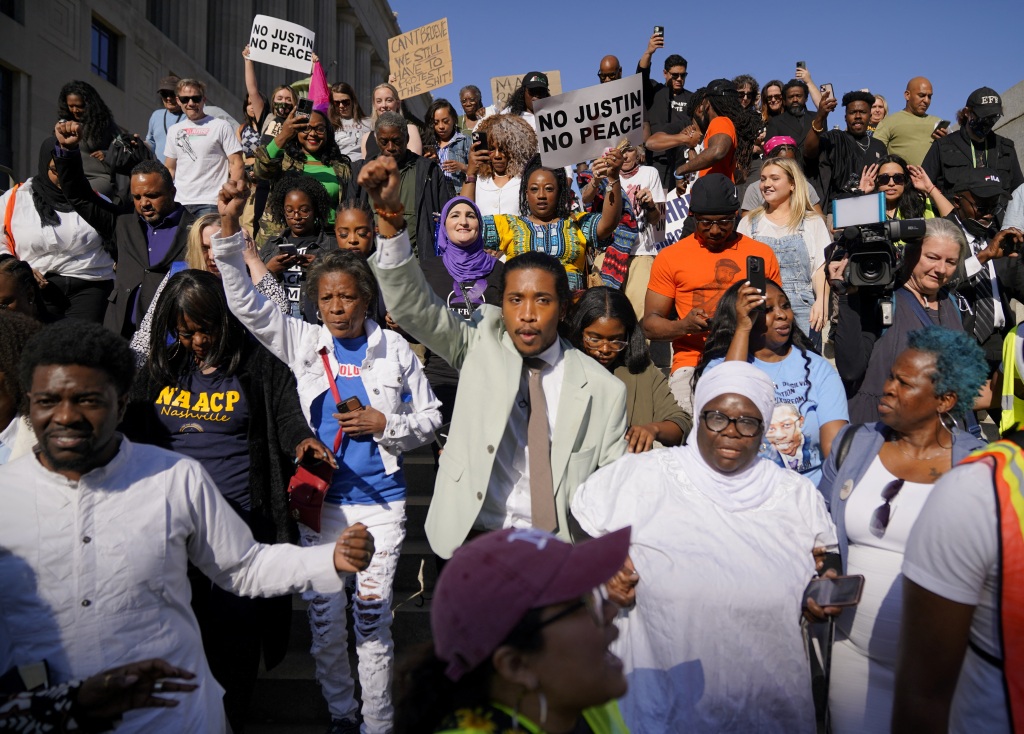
point(493, 581)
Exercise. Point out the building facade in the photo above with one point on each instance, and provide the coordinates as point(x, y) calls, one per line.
point(124, 47)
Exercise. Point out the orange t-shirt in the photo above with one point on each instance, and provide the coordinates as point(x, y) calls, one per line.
point(695, 277)
point(722, 125)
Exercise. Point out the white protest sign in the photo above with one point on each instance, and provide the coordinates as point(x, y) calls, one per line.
point(280, 43)
point(578, 126)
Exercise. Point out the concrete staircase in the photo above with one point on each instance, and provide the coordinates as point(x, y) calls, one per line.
point(287, 699)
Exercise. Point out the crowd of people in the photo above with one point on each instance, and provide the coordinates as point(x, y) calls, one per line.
point(665, 390)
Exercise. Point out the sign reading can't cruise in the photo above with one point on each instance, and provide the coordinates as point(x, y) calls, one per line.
point(421, 59)
point(578, 126)
point(280, 43)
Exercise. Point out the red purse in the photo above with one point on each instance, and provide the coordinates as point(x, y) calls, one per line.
point(308, 487)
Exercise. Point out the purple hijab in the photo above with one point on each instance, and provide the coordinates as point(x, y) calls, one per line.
point(465, 264)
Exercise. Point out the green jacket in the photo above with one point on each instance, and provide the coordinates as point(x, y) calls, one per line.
point(498, 719)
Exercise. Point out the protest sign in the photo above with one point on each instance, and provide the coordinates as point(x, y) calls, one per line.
point(578, 126)
point(503, 86)
point(280, 43)
point(421, 59)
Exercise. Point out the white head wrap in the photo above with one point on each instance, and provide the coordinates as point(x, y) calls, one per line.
point(749, 486)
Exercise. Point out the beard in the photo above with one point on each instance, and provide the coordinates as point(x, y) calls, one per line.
point(797, 110)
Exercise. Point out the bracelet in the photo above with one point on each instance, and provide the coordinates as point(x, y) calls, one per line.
point(396, 234)
point(680, 176)
point(471, 179)
point(816, 129)
point(385, 214)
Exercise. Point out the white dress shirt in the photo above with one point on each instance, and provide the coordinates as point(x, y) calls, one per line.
point(972, 266)
point(93, 573)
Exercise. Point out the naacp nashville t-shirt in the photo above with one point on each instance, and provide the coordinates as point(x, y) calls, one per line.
point(207, 417)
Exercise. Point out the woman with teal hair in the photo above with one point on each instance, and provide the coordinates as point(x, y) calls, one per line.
point(876, 481)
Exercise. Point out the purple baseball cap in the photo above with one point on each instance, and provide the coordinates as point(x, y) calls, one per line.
point(493, 581)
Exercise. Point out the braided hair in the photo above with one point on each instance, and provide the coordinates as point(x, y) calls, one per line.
point(747, 122)
point(723, 327)
point(563, 207)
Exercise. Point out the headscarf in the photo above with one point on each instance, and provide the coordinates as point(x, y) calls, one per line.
point(750, 486)
point(46, 196)
point(772, 143)
point(465, 264)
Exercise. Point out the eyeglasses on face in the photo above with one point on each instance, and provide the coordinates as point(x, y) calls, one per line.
point(167, 95)
point(594, 601)
point(595, 342)
point(880, 518)
point(677, 75)
point(883, 179)
point(539, 93)
point(345, 102)
point(318, 129)
point(773, 98)
point(747, 95)
point(194, 99)
point(717, 422)
point(709, 224)
point(608, 76)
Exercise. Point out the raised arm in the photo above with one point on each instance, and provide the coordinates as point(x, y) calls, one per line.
point(409, 298)
point(252, 87)
point(100, 214)
point(608, 166)
point(818, 126)
point(715, 149)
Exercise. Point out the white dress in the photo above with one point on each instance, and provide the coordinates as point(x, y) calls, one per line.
point(714, 642)
point(867, 637)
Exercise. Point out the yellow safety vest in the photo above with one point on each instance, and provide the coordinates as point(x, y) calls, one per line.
point(1012, 406)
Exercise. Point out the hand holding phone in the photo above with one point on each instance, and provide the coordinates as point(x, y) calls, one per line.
point(835, 591)
point(304, 109)
point(289, 250)
point(756, 276)
point(826, 89)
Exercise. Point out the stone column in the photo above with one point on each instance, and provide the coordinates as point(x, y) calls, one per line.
point(326, 28)
point(347, 24)
point(228, 21)
point(363, 80)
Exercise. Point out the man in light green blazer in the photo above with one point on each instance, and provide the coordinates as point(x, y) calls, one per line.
point(483, 480)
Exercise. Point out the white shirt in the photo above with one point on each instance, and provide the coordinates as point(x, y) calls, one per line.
point(507, 503)
point(72, 248)
point(94, 573)
point(491, 199)
point(972, 266)
point(815, 234)
point(646, 178)
point(201, 151)
point(350, 137)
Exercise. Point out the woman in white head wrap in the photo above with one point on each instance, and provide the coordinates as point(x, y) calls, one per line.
point(722, 550)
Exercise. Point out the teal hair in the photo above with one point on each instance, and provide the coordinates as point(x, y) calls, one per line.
point(960, 366)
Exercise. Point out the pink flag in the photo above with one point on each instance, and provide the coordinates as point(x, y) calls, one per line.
point(318, 90)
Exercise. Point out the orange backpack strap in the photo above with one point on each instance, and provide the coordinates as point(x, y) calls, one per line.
point(8, 216)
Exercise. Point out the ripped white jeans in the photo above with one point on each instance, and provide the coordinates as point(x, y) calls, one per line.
point(371, 613)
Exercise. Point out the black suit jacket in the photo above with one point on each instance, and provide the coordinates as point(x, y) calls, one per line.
point(135, 280)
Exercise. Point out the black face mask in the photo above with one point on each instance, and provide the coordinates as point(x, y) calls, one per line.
point(979, 230)
point(982, 126)
point(282, 109)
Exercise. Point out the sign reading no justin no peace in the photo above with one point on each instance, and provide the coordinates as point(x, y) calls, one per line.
point(421, 59)
point(280, 43)
point(578, 126)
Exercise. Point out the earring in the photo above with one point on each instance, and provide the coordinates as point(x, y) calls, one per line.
point(947, 417)
point(515, 710)
point(542, 702)
point(174, 352)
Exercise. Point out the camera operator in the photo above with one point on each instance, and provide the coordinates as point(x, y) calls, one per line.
point(865, 346)
point(992, 273)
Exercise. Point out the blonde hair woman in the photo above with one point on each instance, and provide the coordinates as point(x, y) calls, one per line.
point(787, 224)
point(879, 110)
point(198, 256)
point(385, 99)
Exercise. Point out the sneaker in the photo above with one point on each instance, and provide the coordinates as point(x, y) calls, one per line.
point(343, 726)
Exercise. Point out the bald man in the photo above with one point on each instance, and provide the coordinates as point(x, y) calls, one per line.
point(909, 133)
point(610, 69)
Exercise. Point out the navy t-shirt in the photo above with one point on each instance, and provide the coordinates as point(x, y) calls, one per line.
point(207, 417)
point(360, 478)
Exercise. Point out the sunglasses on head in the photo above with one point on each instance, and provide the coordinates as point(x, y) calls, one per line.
point(194, 99)
point(897, 178)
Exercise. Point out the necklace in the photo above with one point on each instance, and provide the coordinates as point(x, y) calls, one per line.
point(896, 443)
point(864, 147)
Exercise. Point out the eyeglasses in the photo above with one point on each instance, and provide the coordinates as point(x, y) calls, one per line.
point(319, 129)
point(194, 99)
point(884, 178)
point(539, 93)
point(718, 422)
point(597, 342)
point(609, 76)
point(167, 95)
point(301, 212)
point(881, 516)
point(711, 223)
point(674, 75)
point(343, 102)
point(981, 206)
point(594, 601)
point(773, 98)
point(747, 95)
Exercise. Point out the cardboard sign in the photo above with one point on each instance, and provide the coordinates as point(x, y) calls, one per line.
point(578, 126)
point(421, 59)
point(280, 43)
point(503, 86)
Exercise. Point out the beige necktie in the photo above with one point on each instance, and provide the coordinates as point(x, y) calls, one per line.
point(542, 491)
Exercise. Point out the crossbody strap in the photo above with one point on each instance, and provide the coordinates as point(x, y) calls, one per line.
point(334, 393)
point(8, 218)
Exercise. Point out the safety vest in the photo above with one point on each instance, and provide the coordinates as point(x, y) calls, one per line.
point(1008, 478)
point(1012, 406)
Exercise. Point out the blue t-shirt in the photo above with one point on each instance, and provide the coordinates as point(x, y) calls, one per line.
point(360, 478)
point(802, 406)
point(207, 417)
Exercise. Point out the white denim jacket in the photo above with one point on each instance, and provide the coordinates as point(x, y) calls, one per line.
point(390, 370)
